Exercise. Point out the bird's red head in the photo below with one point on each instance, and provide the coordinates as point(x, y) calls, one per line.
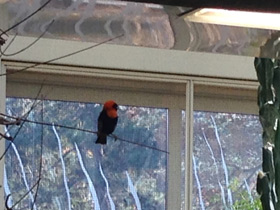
point(111, 108)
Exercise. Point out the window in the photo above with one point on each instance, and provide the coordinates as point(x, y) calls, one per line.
point(73, 165)
point(141, 80)
point(84, 90)
point(226, 148)
point(2, 108)
point(226, 160)
point(122, 173)
point(227, 116)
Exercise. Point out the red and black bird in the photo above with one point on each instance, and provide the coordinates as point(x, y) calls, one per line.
point(107, 121)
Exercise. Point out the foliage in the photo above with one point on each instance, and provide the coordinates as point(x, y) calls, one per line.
point(243, 200)
point(146, 167)
point(240, 139)
point(244, 203)
point(268, 182)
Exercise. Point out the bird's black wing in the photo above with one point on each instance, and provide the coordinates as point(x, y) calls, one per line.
point(115, 123)
point(101, 120)
point(106, 126)
point(101, 136)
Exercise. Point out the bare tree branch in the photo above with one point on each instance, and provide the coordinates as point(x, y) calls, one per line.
point(23, 196)
point(27, 47)
point(26, 18)
point(7, 47)
point(9, 138)
point(2, 40)
point(21, 125)
point(4, 121)
point(41, 158)
point(7, 201)
point(3, 32)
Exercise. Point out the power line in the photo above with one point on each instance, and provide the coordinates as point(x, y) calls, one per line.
point(61, 57)
point(87, 131)
point(27, 47)
point(26, 18)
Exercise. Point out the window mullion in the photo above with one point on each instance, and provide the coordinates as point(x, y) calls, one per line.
point(174, 160)
point(189, 145)
point(2, 142)
point(3, 25)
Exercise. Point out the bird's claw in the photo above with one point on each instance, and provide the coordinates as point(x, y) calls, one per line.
point(115, 137)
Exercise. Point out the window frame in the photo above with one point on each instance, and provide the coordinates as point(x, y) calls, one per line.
point(196, 90)
point(158, 93)
point(2, 142)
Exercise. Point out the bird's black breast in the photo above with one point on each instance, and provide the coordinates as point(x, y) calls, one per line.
point(106, 124)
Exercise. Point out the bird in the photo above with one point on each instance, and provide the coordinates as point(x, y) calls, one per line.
point(107, 121)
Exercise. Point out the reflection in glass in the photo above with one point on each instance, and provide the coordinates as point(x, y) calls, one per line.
point(95, 21)
point(145, 25)
point(76, 172)
point(227, 156)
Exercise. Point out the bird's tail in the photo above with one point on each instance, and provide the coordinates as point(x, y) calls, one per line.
point(101, 139)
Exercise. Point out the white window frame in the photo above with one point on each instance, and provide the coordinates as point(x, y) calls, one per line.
point(2, 142)
point(63, 87)
point(3, 24)
point(204, 88)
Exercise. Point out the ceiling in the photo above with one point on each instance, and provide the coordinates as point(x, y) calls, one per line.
point(142, 24)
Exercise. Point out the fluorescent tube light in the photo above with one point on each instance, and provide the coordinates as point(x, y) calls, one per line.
point(235, 18)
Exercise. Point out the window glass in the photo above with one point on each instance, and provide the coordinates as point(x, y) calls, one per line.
point(76, 173)
point(94, 21)
point(226, 158)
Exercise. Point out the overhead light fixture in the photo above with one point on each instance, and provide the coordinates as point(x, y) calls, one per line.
point(235, 18)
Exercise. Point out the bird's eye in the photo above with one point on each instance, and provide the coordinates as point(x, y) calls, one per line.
point(115, 106)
